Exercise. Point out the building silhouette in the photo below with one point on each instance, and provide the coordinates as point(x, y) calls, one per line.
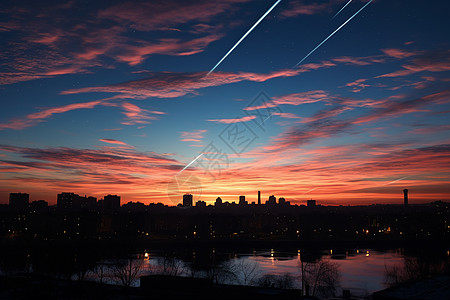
point(39, 206)
point(405, 197)
point(111, 203)
point(242, 200)
point(281, 201)
point(311, 203)
point(187, 200)
point(19, 201)
point(65, 201)
point(200, 203)
point(272, 200)
point(259, 197)
point(218, 202)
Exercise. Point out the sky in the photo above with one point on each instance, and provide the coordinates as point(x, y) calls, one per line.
point(128, 98)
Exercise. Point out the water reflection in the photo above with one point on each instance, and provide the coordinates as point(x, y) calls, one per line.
point(362, 270)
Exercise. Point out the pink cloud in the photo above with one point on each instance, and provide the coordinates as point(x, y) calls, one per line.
point(295, 99)
point(171, 85)
point(112, 141)
point(286, 115)
point(236, 120)
point(34, 118)
point(430, 62)
point(399, 53)
point(323, 125)
point(359, 61)
point(299, 8)
point(136, 115)
point(328, 113)
point(431, 129)
point(137, 54)
point(147, 16)
point(48, 45)
point(358, 85)
point(193, 136)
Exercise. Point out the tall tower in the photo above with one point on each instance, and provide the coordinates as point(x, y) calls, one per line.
point(259, 197)
point(405, 197)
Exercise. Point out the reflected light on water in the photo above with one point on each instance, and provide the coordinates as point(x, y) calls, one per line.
point(362, 273)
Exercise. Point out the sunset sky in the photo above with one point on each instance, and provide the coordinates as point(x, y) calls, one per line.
point(114, 97)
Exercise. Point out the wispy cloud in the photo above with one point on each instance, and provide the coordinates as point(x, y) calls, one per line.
point(112, 141)
point(193, 136)
point(295, 99)
point(399, 53)
point(134, 114)
point(46, 44)
point(171, 84)
point(324, 124)
point(297, 8)
point(236, 120)
point(34, 118)
point(428, 62)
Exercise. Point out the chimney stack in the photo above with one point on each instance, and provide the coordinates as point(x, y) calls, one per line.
point(405, 197)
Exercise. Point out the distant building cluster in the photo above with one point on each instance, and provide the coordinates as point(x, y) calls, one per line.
point(111, 203)
point(271, 201)
point(76, 216)
point(65, 202)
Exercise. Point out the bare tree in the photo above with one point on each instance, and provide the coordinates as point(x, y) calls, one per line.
point(414, 268)
point(320, 277)
point(127, 271)
point(100, 271)
point(284, 281)
point(220, 273)
point(171, 266)
point(246, 272)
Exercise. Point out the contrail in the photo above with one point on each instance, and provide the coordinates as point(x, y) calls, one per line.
point(396, 180)
point(187, 166)
point(333, 33)
point(308, 191)
point(341, 9)
point(244, 36)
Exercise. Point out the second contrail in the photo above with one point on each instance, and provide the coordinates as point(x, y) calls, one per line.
point(333, 33)
point(187, 166)
point(342, 9)
point(244, 36)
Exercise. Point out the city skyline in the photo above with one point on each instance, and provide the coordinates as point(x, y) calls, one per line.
point(151, 100)
point(186, 199)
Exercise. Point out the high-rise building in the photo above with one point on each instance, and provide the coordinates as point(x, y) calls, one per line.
point(39, 206)
point(405, 197)
point(242, 200)
point(281, 201)
point(218, 202)
point(19, 201)
point(90, 203)
point(259, 197)
point(272, 200)
point(311, 203)
point(66, 201)
point(187, 200)
point(111, 203)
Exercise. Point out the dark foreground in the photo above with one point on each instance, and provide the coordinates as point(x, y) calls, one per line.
point(44, 288)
